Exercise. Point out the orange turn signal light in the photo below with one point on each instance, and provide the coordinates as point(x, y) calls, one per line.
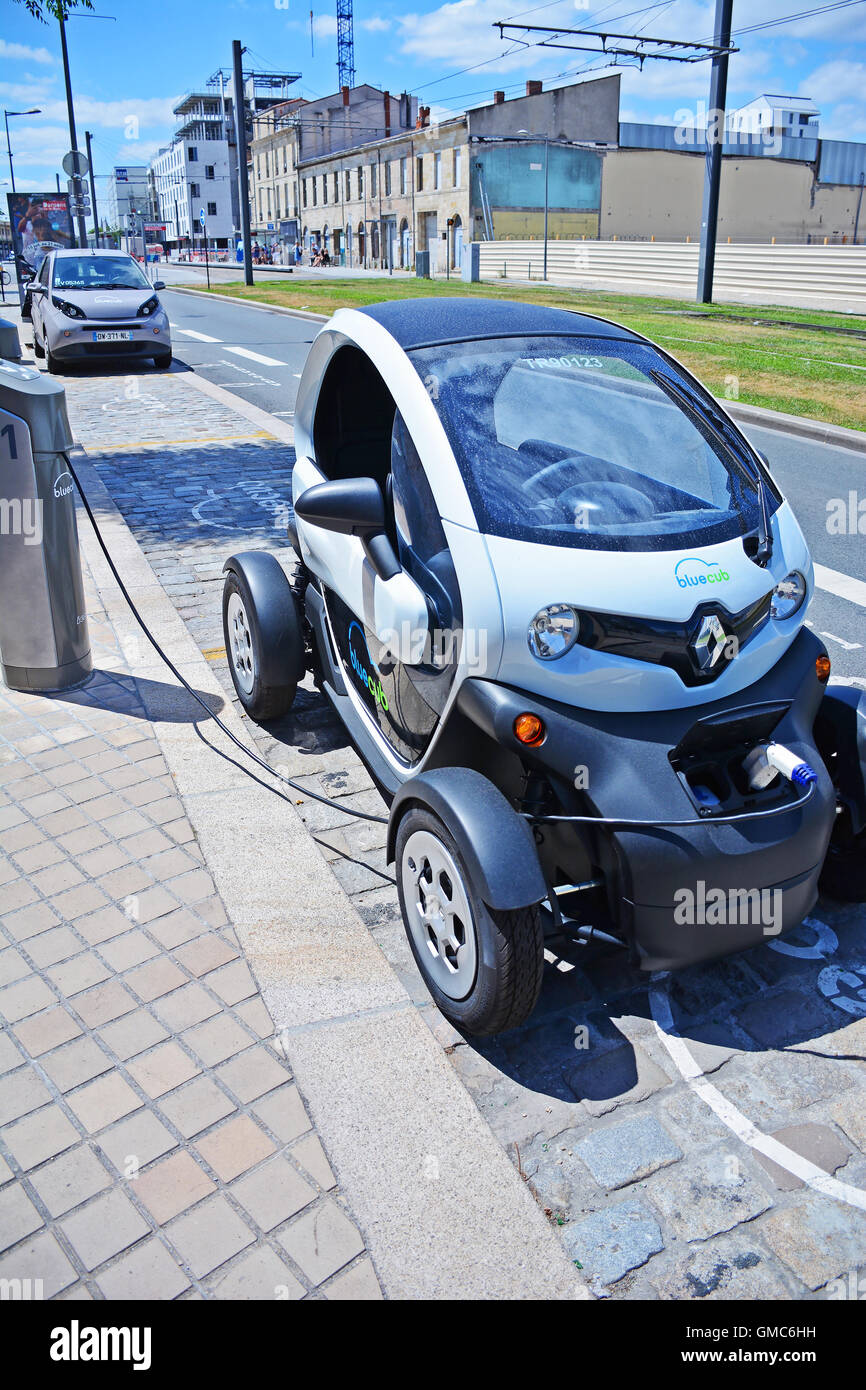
point(529, 729)
point(822, 668)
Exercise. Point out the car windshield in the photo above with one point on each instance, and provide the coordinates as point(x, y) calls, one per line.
point(592, 442)
point(98, 273)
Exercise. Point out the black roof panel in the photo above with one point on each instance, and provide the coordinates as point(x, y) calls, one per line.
point(425, 322)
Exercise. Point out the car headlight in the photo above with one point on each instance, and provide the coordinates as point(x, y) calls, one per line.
point(149, 306)
point(553, 631)
point(71, 311)
point(788, 595)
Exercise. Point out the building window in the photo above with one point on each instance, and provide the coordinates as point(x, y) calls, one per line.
point(267, 165)
point(388, 179)
point(211, 210)
point(304, 192)
point(209, 171)
point(192, 153)
point(457, 170)
point(360, 180)
point(372, 180)
point(285, 159)
point(419, 173)
point(437, 170)
point(324, 188)
point(314, 181)
point(336, 187)
point(348, 178)
point(403, 176)
point(195, 190)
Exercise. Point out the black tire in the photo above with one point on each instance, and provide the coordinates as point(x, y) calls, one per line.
point(51, 363)
point(163, 361)
point(509, 946)
point(38, 349)
point(843, 876)
point(267, 688)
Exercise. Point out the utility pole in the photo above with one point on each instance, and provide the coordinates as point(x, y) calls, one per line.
point(243, 180)
point(715, 147)
point(73, 141)
point(87, 139)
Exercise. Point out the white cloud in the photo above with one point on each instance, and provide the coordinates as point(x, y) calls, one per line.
point(91, 112)
point(21, 51)
point(376, 25)
point(324, 26)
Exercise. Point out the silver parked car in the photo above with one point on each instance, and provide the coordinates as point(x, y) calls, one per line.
point(97, 304)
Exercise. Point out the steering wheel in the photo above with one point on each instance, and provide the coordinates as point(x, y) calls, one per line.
point(550, 470)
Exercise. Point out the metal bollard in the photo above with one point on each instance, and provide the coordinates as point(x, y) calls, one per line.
point(44, 641)
point(10, 347)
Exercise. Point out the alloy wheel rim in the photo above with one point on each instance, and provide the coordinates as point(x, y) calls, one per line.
point(241, 644)
point(439, 915)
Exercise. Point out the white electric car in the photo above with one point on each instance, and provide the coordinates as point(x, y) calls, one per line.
point(558, 602)
point(96, 304)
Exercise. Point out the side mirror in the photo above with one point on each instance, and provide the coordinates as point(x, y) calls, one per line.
point(353, 507)
point(36, 287)
point(159, 284)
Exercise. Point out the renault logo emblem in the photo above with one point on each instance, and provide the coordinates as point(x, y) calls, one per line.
point(709, 644)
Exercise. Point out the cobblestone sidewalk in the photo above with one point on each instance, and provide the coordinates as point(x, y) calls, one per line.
point(153, 1143)
point(652, 1193)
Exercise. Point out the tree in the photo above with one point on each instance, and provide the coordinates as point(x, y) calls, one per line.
point(54, 9)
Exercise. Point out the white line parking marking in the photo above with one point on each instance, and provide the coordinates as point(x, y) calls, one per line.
point(849, 646)
point(258, 357)
point(191, 333)
point(842, 585)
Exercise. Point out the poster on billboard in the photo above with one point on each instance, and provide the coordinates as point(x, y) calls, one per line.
point(40, 223)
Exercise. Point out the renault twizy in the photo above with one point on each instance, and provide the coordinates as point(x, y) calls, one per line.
point(558, 602)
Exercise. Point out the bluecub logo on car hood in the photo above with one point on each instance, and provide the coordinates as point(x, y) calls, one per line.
point(692, 571)
point(362, 665)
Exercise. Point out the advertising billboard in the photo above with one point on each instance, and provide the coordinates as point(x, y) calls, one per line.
point(40, 223)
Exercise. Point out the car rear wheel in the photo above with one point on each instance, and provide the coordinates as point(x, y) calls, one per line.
point(265, 685)
point(51, 362)
point(38, 349)
point(482, 967)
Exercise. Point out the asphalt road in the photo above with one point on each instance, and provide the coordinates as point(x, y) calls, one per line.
point(259, 356)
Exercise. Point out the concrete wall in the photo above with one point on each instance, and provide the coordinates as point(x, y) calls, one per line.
point(646, 193)
point(584, 111)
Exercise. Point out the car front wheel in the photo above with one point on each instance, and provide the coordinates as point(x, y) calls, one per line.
point(482, 967)
point(264, 679)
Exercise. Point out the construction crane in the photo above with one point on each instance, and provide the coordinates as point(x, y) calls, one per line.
point(345, 44)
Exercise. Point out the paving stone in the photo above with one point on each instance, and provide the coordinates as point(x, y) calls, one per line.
point(311, 1156)
point(217, 1039)
point(777, 1019)
point(18, 1216)
point(260, 1275)
point(162, 1070)
point(46, 1031)
point(624, 1074)
point(849, 1114)
point(611, 1242)
point(13, 966)
point(815, 1142)
point(186, 1007)
point(153, 903)
point(75, 1063)
point(104, 925)
point(233, 983)
point(283, 1112)
point(156, 978)
point(204, 954)
point(133, 1034)
point(252, 1074)
point(253, 1013)
point(196, 1106)
point(53, 946)
point(20, 1093)
point(731, 1268)
point(321, 1241)
point(27, 997)
point(71, 977)
point(235, 1147)
point(358, 1284)
point(172, 1186)
point(622, 1153)
point(101, 1102)
point(56, 878)
point(175, 928)
point(10, 1057)
point(147, 1273)
point(273, 1193)
point(104, 1004)
point(104, 1228)
point(135, 1142)
point(818, 1239)
point(40, 1136)
point(104, 860)
point(29, 921)
point(70, 1180)
point(209, 1235)
point(40, 1259)
point(125, 952)
point(705, 1196)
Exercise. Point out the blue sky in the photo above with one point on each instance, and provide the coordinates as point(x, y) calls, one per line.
point(129, 71)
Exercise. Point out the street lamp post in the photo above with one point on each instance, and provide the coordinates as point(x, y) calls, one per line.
point(34, 111)
point(546, 140)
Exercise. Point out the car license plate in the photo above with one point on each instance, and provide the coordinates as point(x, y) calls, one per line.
point(112, 337)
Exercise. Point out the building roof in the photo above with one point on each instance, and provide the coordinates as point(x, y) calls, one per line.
point(785, 103)
point(426, 322)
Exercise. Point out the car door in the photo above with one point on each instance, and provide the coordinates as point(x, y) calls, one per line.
point(40, 301)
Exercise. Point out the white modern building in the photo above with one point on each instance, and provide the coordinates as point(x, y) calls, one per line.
point(771, 115)
point(128, 191)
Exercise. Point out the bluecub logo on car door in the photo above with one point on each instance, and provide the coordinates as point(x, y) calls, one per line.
point(362, 665)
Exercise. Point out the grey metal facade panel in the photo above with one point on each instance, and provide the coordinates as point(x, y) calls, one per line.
point(633, 135)
point(842, 161)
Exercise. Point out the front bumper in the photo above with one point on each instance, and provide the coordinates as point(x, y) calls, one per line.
point(151, 337)
point(679, 895)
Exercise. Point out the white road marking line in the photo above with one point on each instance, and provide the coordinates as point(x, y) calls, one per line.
point(842, 585)
point(191, 333)
point(849, 646)
point(734, 1119)
point(256, 356)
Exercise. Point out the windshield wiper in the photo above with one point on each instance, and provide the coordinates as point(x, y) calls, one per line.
point(764, 550)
